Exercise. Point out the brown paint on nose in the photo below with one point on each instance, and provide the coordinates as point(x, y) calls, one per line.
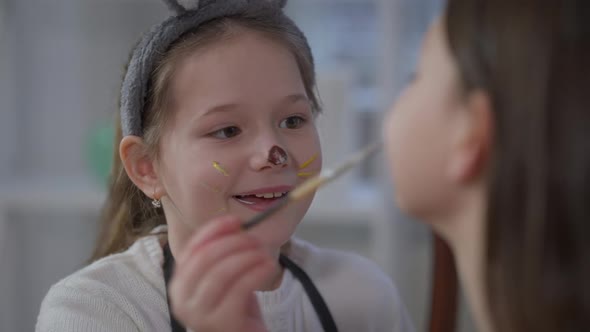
point(277, 156)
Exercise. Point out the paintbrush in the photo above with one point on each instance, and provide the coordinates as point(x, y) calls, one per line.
point(314, 183)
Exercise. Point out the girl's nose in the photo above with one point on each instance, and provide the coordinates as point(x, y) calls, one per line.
point(274, 158)
point(277, 156)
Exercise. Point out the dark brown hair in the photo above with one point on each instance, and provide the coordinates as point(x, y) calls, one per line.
point(128, 213)
point(533, 59)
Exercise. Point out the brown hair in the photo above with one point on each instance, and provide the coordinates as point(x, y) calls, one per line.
point(128, 214)
point(532, 58)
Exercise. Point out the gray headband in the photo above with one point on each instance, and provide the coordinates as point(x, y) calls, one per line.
point(189, 15)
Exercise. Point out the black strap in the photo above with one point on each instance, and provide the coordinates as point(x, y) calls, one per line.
point(168, 267)
point(317, 301)
point(320, 306)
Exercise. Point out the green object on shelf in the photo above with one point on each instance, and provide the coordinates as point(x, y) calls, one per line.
point(99, 151)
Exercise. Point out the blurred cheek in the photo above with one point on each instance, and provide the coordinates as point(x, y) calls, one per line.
point(418, 135)
point(394, 134)
point(408, 156)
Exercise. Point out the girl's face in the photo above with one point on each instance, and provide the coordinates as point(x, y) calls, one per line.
point(242, 136)
point(438, 136)
point(421, 132)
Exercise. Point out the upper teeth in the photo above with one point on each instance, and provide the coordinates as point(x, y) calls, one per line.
point(269, 195)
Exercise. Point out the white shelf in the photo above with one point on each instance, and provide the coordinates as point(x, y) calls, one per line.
point(81, 194)
point(52, 194)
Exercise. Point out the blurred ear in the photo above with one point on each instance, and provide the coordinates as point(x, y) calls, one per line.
point(472, 142)
point(140, 167)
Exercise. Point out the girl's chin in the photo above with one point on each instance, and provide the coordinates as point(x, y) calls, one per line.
point(272, 238)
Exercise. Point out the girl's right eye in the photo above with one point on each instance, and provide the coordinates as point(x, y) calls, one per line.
point(227, 132)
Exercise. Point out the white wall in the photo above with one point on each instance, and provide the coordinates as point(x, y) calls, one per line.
point(60, 60)
point(7, 112)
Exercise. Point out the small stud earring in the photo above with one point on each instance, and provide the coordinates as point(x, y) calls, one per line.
point(156, 202)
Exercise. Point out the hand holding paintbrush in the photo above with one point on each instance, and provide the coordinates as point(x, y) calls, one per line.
point(314, 183)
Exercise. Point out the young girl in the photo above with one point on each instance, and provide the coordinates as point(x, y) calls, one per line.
point(489, 144)
point(217, 117)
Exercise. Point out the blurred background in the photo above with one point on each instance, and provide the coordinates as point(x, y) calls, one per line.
point(61, 62)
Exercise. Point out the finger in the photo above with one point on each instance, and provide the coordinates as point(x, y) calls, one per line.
point(243, 288)
point(189, 302)
point(212, 229)
point(188, 274)
point(216, 285)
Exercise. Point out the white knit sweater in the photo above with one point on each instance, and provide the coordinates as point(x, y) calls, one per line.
point(126, 292)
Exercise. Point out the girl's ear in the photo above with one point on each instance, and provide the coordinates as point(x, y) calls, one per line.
point(472, 144)
point(140, 167)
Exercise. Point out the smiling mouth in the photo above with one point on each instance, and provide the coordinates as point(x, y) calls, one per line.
point(260, 199)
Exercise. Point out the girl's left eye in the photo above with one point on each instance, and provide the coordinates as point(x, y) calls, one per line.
point(292, 122)
point(227, 132)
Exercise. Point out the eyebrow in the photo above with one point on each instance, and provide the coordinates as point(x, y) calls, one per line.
point(220, 108)
point(290, 99)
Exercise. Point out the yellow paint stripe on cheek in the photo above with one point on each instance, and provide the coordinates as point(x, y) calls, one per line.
point(308, 162)
point(219, 168)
